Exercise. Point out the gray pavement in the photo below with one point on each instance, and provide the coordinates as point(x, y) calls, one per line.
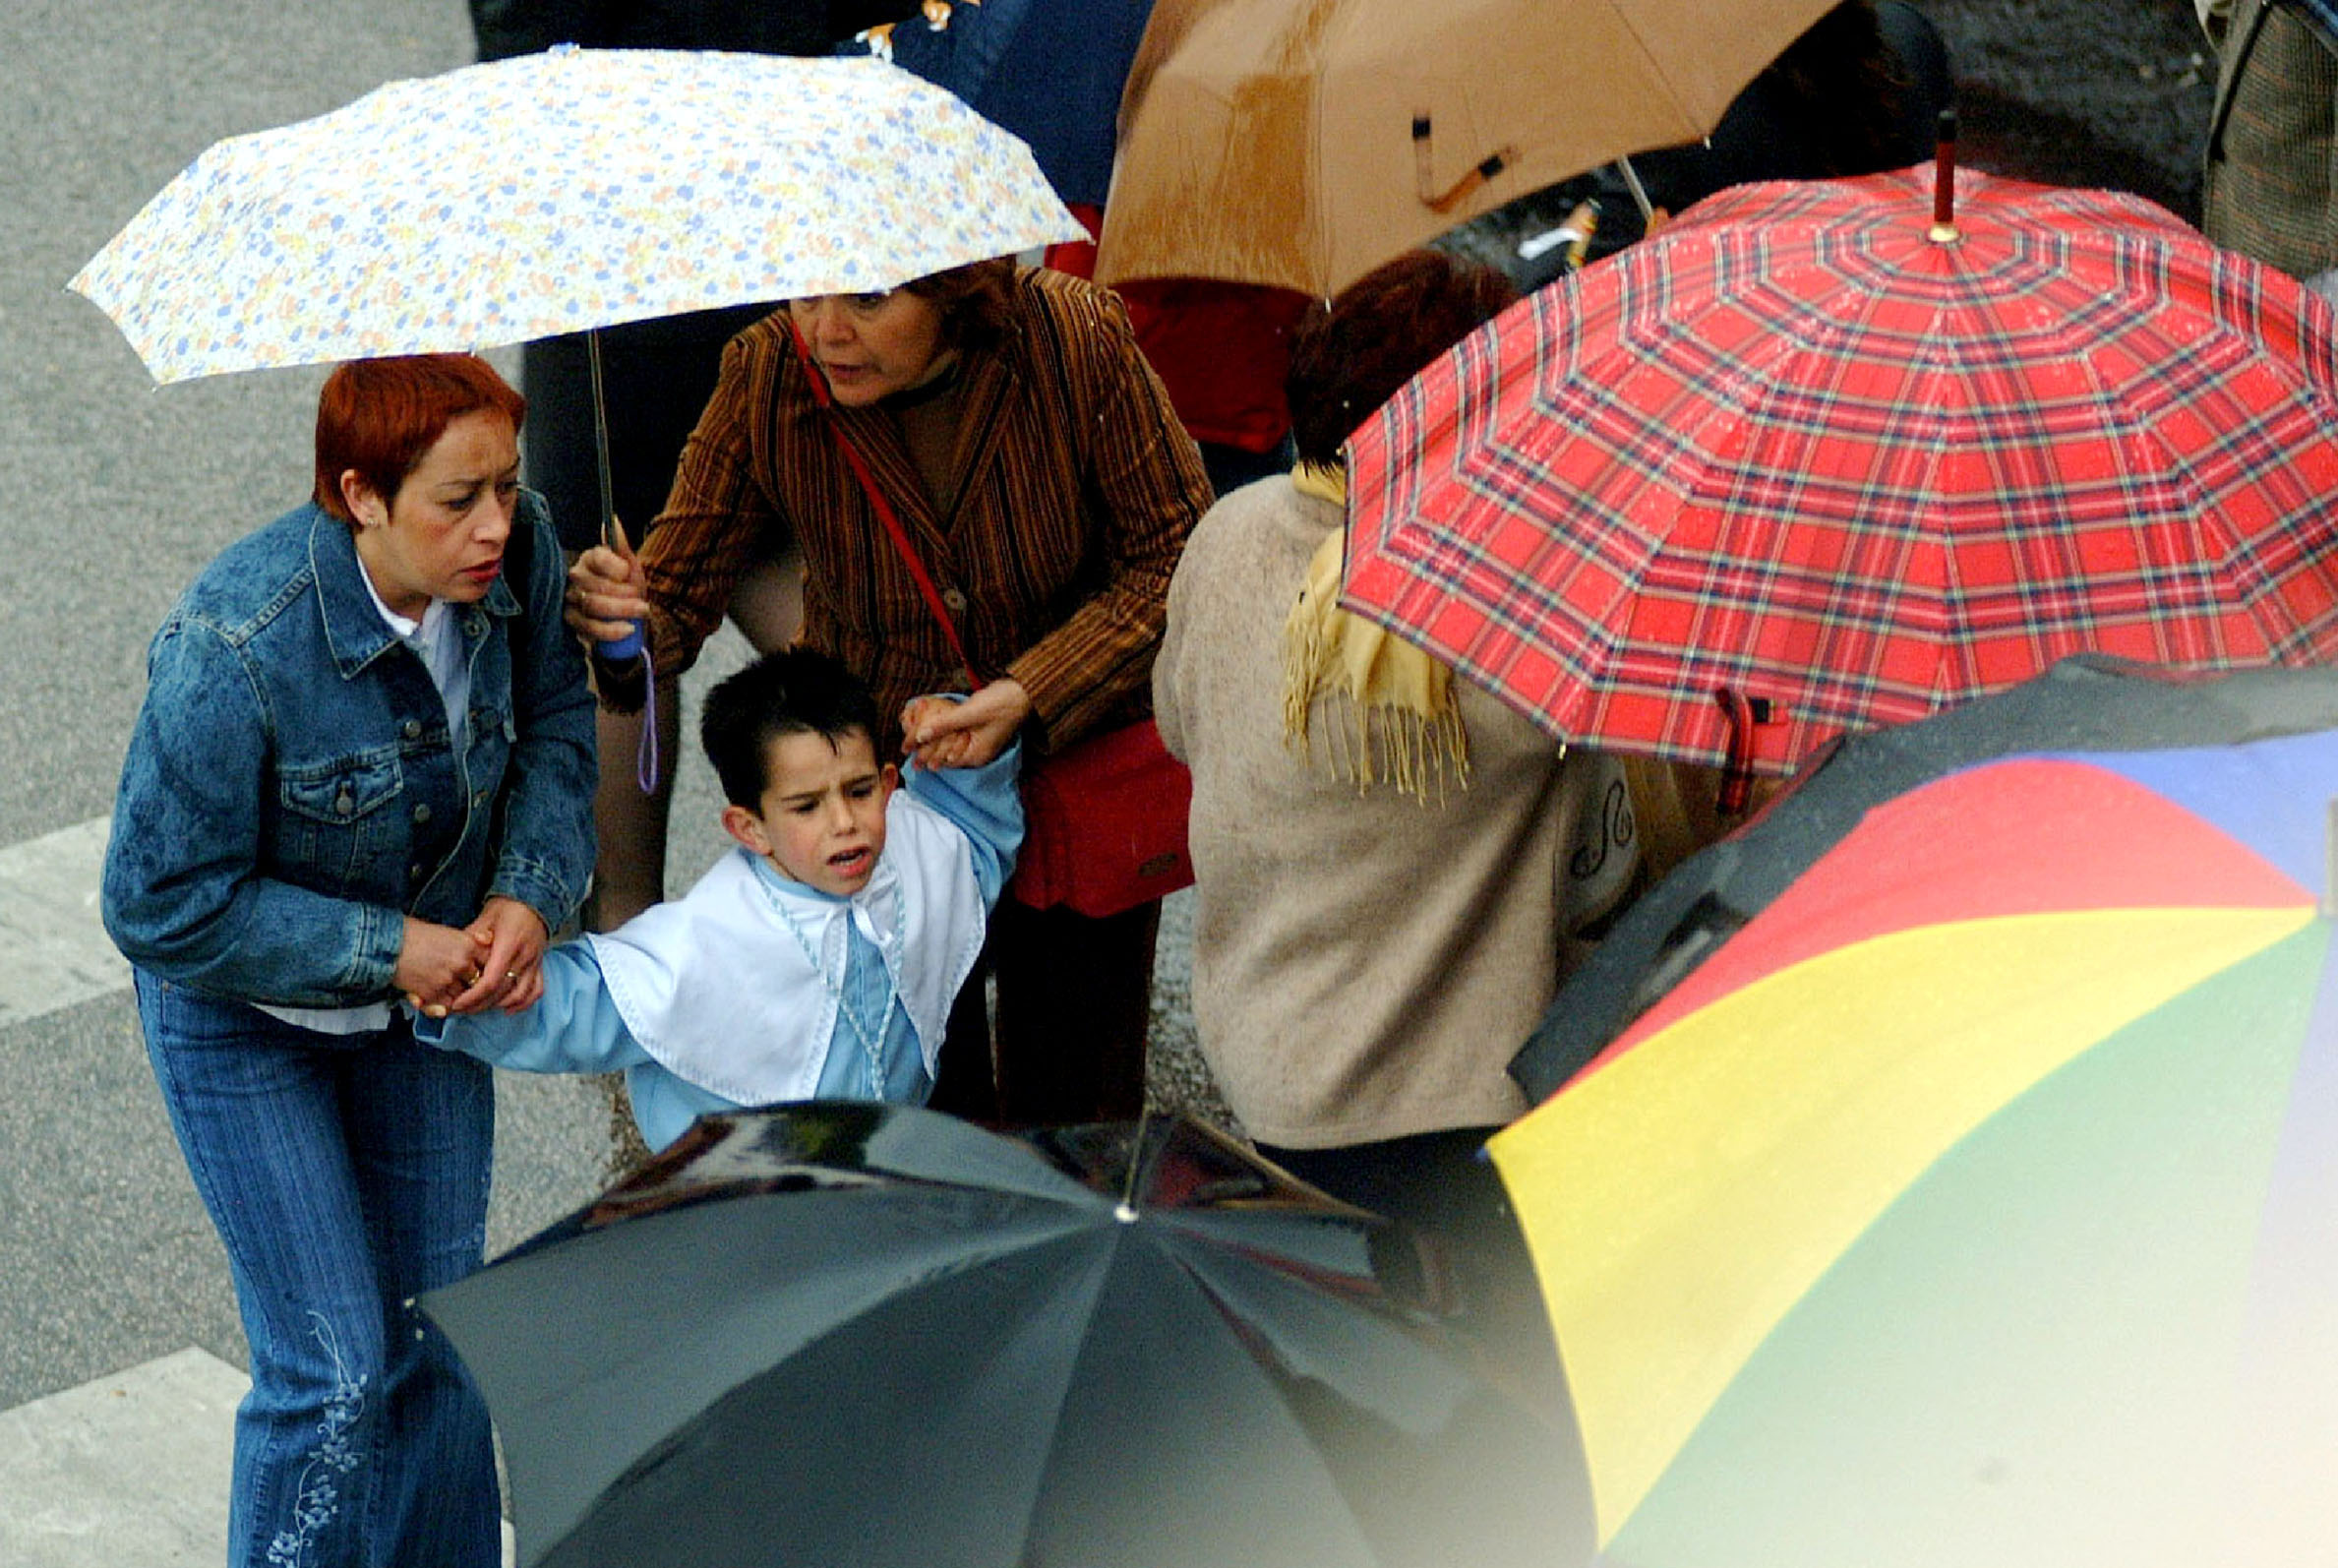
point(156, 1433)
point(127, 1469)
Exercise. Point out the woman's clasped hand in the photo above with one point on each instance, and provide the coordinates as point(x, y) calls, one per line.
point(497, 961)
point(970, 734)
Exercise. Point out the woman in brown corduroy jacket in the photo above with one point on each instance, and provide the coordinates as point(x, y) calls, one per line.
point(1039, 470)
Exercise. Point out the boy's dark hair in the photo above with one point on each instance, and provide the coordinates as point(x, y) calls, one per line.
point(794, 691)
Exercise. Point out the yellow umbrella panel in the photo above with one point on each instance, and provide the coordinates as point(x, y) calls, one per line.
point(1880, 1056)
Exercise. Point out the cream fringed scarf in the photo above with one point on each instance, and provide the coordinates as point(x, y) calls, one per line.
point(1389, 709)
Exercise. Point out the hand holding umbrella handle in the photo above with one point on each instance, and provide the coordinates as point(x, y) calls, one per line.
point(617, 652)
point(625, 649)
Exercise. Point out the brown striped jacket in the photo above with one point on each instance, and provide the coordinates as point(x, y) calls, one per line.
point(1074, 487)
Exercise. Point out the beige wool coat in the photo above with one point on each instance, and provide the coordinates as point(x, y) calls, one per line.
point(1364, 964)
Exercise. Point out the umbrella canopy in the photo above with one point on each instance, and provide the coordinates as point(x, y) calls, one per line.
point(1974, 1201)
point(551, 193)
point(848, 1333)
point(2085, 702)
point(1301, 142)
point(1051, 71)
point(1799, 449)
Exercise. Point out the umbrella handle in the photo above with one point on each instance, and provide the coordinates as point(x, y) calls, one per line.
point(634, 644)
point(1631, 178)
point(1737, 776)
point(1460, 190)
point(630, 646)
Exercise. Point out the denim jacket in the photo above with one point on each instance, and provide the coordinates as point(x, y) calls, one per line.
point(292, 790)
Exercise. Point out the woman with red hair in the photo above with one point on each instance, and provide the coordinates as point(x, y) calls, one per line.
point(363, 772)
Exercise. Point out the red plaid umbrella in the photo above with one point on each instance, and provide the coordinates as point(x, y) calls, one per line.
point(1798, 465)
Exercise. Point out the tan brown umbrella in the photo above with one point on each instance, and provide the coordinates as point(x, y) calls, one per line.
point(1301, 142)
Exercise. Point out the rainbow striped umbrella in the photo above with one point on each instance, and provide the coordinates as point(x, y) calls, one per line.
point(1975, 1201)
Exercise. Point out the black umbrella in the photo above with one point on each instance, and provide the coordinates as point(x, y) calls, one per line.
point(851, 1334)
point(2086, 702)
point(1051, 71)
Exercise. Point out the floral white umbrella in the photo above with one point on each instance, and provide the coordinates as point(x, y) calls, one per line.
point(556, 191)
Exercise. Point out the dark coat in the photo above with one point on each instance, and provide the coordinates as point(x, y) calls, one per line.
point(1767, 134)
point(2270, 189)
point(755, 26)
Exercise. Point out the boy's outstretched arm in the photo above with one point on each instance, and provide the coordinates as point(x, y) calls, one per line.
point(575, 1027)
point(981, 803)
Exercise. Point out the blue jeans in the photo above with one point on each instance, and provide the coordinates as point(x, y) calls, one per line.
point(345, 1174)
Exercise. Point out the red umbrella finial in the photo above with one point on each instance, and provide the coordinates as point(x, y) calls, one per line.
point(1944, 181)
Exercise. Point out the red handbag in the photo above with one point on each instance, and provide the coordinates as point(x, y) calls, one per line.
point(1104, 819)
point(1103, 824)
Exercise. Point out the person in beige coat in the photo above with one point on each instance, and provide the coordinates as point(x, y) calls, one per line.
point(1393, 869)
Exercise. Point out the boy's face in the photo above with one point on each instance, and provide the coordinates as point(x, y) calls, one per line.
point(822, 821)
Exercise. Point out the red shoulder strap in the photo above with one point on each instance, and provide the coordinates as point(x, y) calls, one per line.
point(876, 500)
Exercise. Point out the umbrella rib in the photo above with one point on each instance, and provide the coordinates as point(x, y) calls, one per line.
point(1062, 1402)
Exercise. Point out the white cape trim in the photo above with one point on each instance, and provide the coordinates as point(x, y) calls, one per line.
point(716, 990)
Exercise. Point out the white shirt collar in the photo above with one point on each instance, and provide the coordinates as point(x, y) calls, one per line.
point(400, 627)
point(435, 641)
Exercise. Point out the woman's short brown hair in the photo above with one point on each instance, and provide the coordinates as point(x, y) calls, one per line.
point(1349, 357)
point(976, 302)
point(382, 416)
